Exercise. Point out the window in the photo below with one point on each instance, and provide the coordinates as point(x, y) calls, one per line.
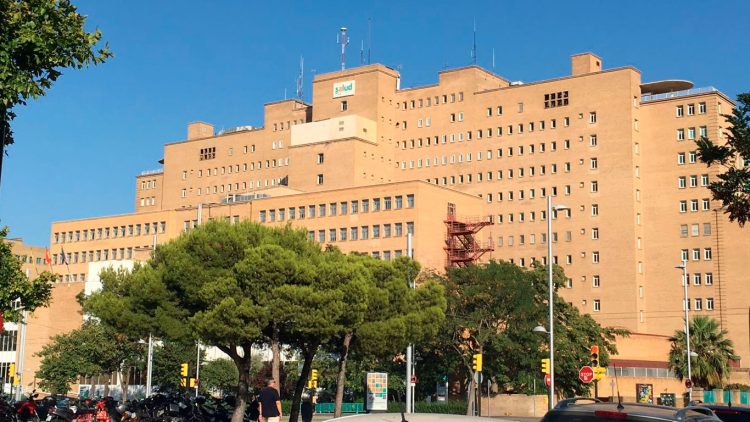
point(695, 229)
point(594, 163)
point(709, 304)
point(706, 229)
point(595, 281)
point(680, 111)
point(683, 206)
point(680, 134)
point(698, 303)
point(322, 210)
point(702, 108)
point(376, 204)
point(555, 99)
point(319, 179)
point(320, 158)
point(592, 117)
point(594, 186)
point(594, 210)
point(595, 257)
point(708, 279)
point(387, 202)
point(595, 233)
point(410, 201)
point(684, 254)
point(707, 254)
point(706, 204)
point(704, 180)
point(691, 109)
point(696, 254)
point(681, 182)
point(597, 305)
point(692, 157)
point(696, 279)
point(681, 158)
point(691, 133)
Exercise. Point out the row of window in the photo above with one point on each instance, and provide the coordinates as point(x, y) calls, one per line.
point(148, 201)
point(229, 187)
point(429, 101)
point(71, 277)
point(680, 109)
point(148, 184)
point(695, 254)
point(271, 163)
point(692, 181)
point(28, 259)
point(337, 208)
point(698, 304)
point(519, 150)
point(289, 123)
point(94, 256)
point(113, 232)
point(705, 205)
point(695, 229)
point(701, 278)
point(703, 130)
point(691, 155)
point(376, 231)
point(531, 238)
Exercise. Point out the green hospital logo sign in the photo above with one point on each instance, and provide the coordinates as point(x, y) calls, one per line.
point(343, 89)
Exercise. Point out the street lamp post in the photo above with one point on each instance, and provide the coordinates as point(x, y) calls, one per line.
point(686, 305)
point(541, 329)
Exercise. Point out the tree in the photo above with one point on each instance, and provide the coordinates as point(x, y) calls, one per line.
point(493, 308)
point(711, 367)
point(15, 286)
point(168, 355)
point(382, 313)
point(38, 39)
point(93, 349)
point(733, 186)
point(219, 375)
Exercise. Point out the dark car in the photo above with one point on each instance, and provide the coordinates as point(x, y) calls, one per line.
point(728, 413)
point(583, 409)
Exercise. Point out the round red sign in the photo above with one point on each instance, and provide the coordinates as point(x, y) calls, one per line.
point(586, 374)
point(547, 379)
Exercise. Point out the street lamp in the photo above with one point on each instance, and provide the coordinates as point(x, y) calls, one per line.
point(686, 305)
point(540, 329)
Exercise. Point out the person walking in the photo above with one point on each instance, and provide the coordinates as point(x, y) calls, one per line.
point(270, 403)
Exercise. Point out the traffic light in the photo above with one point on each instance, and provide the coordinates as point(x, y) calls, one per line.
point(12, 372)
point(545, 365)
point(183, 370)
point(476, 362)
point(599, 373)
point(313, 383)
point(594, 356)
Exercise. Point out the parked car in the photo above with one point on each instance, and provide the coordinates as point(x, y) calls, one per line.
point(727, 413)
point(584, 409)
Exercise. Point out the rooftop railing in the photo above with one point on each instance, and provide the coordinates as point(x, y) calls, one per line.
point(150, 172)
point(684, 93)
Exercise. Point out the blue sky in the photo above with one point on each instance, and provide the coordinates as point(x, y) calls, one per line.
point(79, 148)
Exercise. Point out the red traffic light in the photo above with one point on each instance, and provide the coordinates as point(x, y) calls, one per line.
point(688, 384)
point(595, 349)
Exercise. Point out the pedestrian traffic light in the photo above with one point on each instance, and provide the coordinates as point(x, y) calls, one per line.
point(476, 362)
point(595, 356)
point(314, 375)
point(545, 366)
point(184, 370)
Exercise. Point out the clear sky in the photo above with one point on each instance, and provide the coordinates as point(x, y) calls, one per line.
point(79, 149)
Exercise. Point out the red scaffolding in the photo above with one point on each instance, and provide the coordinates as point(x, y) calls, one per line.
point(461, 246)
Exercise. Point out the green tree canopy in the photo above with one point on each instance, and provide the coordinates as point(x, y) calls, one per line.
point(733, 185)
point(219, 375)
point(711, 367)
point(14, 285)
point(38, 39)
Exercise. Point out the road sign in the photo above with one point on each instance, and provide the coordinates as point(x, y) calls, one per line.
point(413, 380)
point(586, 374)
point(547, 379)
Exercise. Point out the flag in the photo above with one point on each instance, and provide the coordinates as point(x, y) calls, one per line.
point(47, 259)
point(62, 257)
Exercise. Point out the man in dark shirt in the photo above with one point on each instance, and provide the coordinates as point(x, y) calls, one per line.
point(270, 403)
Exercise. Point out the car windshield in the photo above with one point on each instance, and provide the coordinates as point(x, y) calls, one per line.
point(729, 415)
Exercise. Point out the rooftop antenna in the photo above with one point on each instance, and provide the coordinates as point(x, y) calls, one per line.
point(369, 40)
point(362, 54)
point(474, 47)
point(343, 40)
point(300, 77)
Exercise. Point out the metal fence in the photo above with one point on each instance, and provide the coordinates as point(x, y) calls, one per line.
point(640, 372)
point(684, 93)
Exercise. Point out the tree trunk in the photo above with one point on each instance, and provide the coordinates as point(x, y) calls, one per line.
point(124, 381)
point(243, 389)
point(470, 397)
point(276, 359)
point(106, 385)
point(303, 376)
point(341, 379)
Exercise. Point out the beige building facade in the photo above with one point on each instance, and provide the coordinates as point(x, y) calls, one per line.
point(369, 161)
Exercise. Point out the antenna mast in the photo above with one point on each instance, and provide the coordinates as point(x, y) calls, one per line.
point(343, 40)
point(474, 47)
point(369, 40)
point(301, 77)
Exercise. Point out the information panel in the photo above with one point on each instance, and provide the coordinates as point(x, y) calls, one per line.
point(377, 391)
